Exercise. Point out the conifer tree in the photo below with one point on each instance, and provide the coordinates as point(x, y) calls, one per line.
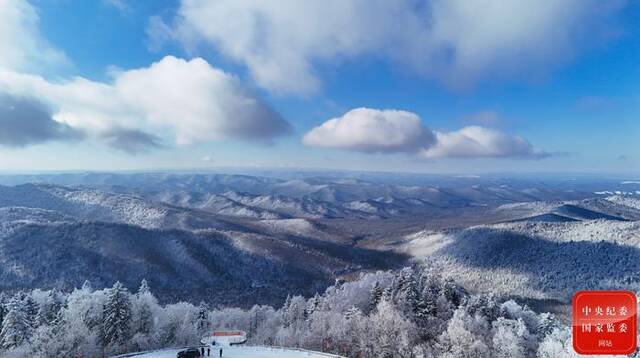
point(87, 286)
point(49, 309)
point(16, 327)
point(375, 296)
point(202, 320)
point(116, 318)
point(144, 301)
point(312, 305)
point(31, 310)
point(286, 316)
point(144, 288)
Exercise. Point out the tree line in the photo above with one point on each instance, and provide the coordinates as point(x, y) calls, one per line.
point(412, 312)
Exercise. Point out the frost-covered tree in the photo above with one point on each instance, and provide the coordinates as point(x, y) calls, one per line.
point(557, 344)
point(144, 288)
point(16, 327)
point(202, 319)
point(392, 333)
point(3, 307)
point(419, 315)
point(509, 338)
point(49, 308)
point(293, 319)
point(80, 322)
point(116, 319)
point(404, 291)
point(176, 325)
point(375, 296)
point(31, 307)
point(145, 312)
point(312, 305)
point(464, 336)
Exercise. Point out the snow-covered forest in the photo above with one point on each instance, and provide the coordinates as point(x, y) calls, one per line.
point(412, 312)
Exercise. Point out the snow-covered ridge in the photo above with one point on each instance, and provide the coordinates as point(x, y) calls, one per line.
point(612, 208)
point(117, 207)
point(631, 202)
point(86, 204)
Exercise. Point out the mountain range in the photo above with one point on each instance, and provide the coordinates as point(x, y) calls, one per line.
point(243, 239)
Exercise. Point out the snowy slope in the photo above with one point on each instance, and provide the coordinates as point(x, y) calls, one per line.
point(53, 236)
point(181, 264)
point(246, 352)
point(613, 208)
point(98, 205)
point(536, 259)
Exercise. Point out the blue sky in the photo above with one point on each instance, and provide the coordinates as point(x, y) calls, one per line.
point(459, 87)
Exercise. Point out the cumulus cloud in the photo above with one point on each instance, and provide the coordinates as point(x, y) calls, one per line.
point(372, 130)
point(192, 100)
point(392, 131)
point(477, 141)
point(281, 42)
point(199, 102)
point(25, 121)
point(182, 101)
point(21, 44)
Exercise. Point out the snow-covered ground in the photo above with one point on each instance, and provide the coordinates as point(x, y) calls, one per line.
point(245, 352)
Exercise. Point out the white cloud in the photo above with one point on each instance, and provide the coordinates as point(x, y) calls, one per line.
point(372, 130)
point(21, 44)
point(477, 141)
point(190, 99)
point(184, 101)
point(392, 131)
point(199, 102)
point(459, 41)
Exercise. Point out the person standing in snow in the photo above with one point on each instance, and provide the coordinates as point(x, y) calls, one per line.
point(220, 352)
point(208, 351)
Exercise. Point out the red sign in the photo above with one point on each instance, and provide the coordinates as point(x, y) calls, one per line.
point(605, 322)
point(227, 333)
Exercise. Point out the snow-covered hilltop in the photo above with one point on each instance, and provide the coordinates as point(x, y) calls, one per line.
point(536, 260)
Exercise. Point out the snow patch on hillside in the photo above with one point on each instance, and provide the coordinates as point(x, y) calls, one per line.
point(426, 242)
point(290, 226)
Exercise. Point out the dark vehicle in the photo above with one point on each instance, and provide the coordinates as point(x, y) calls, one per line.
point(189, 353)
